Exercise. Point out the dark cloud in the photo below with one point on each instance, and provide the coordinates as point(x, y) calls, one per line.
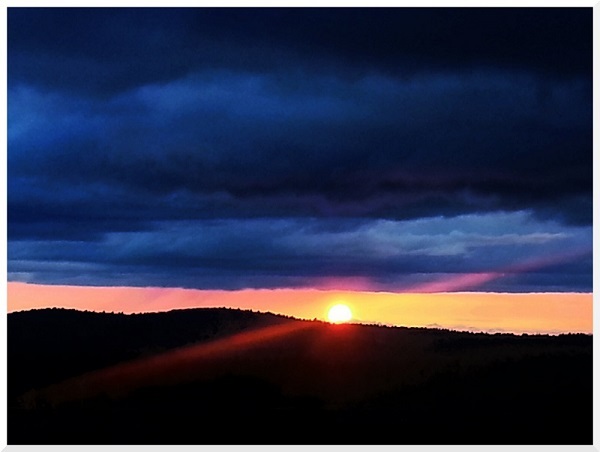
point(92, 50)
point(125, 124)
point(377, 147)
point(390, 255)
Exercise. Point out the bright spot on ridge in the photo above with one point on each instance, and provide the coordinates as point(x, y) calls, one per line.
point(339, 313)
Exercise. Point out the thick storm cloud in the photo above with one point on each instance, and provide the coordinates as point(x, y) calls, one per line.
point(283, 147)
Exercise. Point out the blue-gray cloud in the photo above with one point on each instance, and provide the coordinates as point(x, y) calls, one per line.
point(392, 255)
point(270, 147)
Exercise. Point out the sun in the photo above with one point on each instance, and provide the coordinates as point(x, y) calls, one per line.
point(339, 313)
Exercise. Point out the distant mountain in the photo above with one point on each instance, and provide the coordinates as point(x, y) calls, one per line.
point(180, 377)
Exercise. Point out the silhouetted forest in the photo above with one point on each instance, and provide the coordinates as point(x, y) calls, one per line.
point(227, 376)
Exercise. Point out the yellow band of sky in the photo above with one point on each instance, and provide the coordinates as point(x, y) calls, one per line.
point(477, 311)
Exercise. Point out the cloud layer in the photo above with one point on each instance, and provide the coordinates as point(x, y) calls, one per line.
point(231, 148)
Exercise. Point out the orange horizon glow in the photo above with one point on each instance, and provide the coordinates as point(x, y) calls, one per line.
point(533, 313)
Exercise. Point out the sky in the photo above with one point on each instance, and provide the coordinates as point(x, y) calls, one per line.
point(537, 313)
point(390, 150)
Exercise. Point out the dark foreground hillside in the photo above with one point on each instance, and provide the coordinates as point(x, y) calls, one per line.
point(224, 376)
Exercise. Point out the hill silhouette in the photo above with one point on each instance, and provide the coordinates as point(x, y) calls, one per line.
point(227, 376)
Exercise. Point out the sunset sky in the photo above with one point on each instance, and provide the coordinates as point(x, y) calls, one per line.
point(281, 159)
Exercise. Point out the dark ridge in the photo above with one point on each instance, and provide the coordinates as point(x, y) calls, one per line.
point(88, 340)
point(317, 384)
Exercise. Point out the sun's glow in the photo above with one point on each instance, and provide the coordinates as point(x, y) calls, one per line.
point(531, 313)
point(339, 313)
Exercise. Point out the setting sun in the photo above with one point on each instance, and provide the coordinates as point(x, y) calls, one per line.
point(339, 313)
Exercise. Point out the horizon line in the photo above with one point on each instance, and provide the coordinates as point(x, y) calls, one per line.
point(458, 329)
point(318, 289)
